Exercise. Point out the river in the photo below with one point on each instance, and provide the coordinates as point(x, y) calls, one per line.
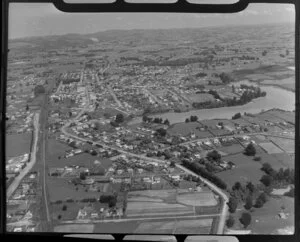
point(276, 98)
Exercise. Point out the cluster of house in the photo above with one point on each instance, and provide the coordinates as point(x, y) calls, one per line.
point(18, 205)
point(129, 169)
point(69, 171)
point(23, 118)
point(14, 166)
point(88, 212)
point(72, 91)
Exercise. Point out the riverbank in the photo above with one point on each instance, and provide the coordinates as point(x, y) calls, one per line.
point(276, 97)
point(260, 84)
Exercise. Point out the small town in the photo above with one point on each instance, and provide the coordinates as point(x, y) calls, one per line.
point(148, 135)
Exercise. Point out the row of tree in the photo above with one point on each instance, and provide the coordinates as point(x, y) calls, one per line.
point(198, 169)
point(191, 119)
point(156, 120)
point(282, 176)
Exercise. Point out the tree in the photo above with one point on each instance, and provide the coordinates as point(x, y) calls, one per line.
point(250, 187)
point(172, 164)
point(167, 122)
point(237, 116)
point(232, 204)
point(267, 168)
point(82, 175)
point(263, 197)
point(64, 208)
point(245, 219)
point(193, 118)
point(162, 132)
point(112, 202)
point(258, 203)
point(249, 202)
point(213, 155)
point(266, 180)
point(250, 150)
point(119, 118)
point(38, 89)
point(187, 120)
point(233, 88)
point(264, 53)
point(27, 107)
point(59, 216)
point(145, 118)
point(230, 221)
point(237, 186)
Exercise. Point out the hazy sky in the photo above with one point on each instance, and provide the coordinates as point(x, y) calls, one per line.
point(38, 19)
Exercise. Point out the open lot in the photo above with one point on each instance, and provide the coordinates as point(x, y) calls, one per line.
point(231, 149)
point(201, 97)
point(17, 144)
point(61, 189)
point(196, 198)
point(246, 170)
point(75, 228)
point(270, 148)
point(287, 116)
point(287, 145)
point(286, 159)
point(185, 129)
point(56, 149)
point(196, 226)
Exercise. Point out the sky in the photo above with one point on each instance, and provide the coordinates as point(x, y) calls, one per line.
point(41, 19)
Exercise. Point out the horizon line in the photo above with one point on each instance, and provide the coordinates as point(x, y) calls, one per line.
point(172, 28)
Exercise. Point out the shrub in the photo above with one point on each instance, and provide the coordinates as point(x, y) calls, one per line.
point(237, 116)
point(257, 158)
point(38, 89)
point(232, 204)
point(266, 180)
point(250, 187)
point(249, 203)
point(290, 193)
point(119, 118)
point(230, 222)
point(259, 203)
point(64, 208)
